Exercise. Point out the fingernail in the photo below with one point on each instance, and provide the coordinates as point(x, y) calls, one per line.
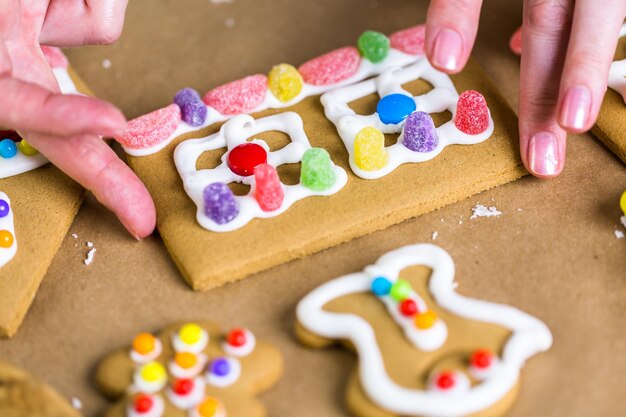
point(130, 230)
point(576, 107)
point(543, 154)
point(447, 49)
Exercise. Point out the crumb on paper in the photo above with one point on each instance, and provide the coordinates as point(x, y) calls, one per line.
point(460, 221)
point(619, 234)
point(435, 235)
point(519, 209)
point(76, 403)
point(481, 211)
point(106, 63)
point(89, 259)
point(74, 235)
point(230, 22)
point(90, 244)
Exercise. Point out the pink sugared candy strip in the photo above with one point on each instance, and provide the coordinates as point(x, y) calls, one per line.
point(237, 97)
point(151, 129)
point(269, 191)
point(472, 113)
point(332, 67)
point(410, 41)
point(55, 57)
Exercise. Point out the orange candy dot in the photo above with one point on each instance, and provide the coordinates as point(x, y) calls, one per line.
point(208, 408)
point(185, 359)
point(6, 239)
point(144, 343)
point(425, 320)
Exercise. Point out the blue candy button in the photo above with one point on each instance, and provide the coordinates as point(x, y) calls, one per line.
point(381, 286)
point(394, 108)
point(7, 148)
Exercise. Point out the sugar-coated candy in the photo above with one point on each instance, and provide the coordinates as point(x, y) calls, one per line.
point(419, 133)
point(394, 108)
point(208, 407)
point(237, 337)
point(4, 208)
point(8, 149)
point(182, 386)
point(425, 320)
point(622, 202)
point(369, 149)
point(445, 380)
point(472, 113)
point(220, 204)
point(237, 97)
point(144, 343)
point(192, 109)
point(331, 68)
point(410, 41)
point(285, 82)
point(185, 360)
point(408, 308)
point(190, 333)
point(220, 367)
point(153, 372)
point(143, 403)
point(151, 129)
point(317, 172)
point(381, 286)
point(242, 159)
point(374, 46)
point(400, 290)
point(269, 191)
point(26, 148)
point(55, 57)
point(481, 359)
point(6, 239)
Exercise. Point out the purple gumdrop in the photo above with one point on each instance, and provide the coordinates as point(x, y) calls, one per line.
point(220, 204)
point(419, 133)
point(220, 367)
point(192, 108)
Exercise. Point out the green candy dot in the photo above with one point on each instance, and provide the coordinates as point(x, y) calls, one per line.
point(374, 46)
point(400, 290)
point(317, 172)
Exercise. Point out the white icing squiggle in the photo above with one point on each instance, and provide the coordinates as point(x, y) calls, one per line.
point(7, 223)
point(617, 74)
point(528, 336)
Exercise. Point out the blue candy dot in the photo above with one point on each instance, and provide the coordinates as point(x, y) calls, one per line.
point(381, 286)
point(394, 108)
point(4, 209)
point(220, 367)
point(7, 148)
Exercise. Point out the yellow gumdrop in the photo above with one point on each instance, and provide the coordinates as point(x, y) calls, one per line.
point(622, 203)
point(208, 407)
point(153, 372)
point(425, 320)
point(369, 149)
point(285, 82)
point(190, 333)
point(26, 148)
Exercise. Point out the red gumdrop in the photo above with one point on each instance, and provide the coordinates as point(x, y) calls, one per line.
point(410, 41)
point(238, 97)
point(332, 67)
point(242, 159)
point(183, 386)
point(269, 190)
point(482, 359)
point(445, 380)
point(236, 337)
point(408, 308)
point(151, 129)
point(472, 113)
point(55, 57)
point(143, 403)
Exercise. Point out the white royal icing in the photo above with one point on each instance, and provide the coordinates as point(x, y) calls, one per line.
point(157, 410)
point(199, 346)
point(228, 379)
point(185, 402)
point(234, 133)
point(617, 74)
point(442, 97)
point(7, 223)
point(528, 335)
point(179, 372)
point(243, 350)
point(150, 356)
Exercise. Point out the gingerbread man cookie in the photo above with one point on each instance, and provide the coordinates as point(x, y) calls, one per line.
point(423, 349)
point(190, 369)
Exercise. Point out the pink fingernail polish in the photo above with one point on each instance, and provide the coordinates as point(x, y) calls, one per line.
point(576, 107)
point(447, 49)
point(543, 154)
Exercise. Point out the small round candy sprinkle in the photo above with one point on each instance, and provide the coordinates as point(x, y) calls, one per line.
point(317, 171)
point(151, 129)
point(220, 367)
point(408, 308)
point(400, 290)
point(369, 149)
point(445, 380)
point(331, 68)
point(394, 108)
point(236, 337)
point(190, 333)
point(192, 108)
point(410, 41)
point(6, 239)
point(220, 204)
point(237, 97)
point(285, 82)
point(243, 158)
point(144, 343)
point(381, 286)
point(622, 202)
point(419, 134)
point(7, 148)
point(374, 46)
point(425, 320)
point(208, 407)
point(182, 386)
point(153, 372)
point(481, 359)
point(54, 56)
point(4, 208)
point(26, 148)
point(185, 360)
point(472, 113)
point(269, 191)
point(143, 403)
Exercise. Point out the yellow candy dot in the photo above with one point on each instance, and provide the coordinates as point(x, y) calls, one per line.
point(190, 333)
point(6, 239)
point(369, 149)
point(425, 320)
point(622, 203)
point(285, 82)
point(208, 407)
point(185, 359)
point(144, 343)
point(153, 372)
point(26, 148)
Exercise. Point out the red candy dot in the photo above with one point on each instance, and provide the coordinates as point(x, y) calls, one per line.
point(410, 41)
point(408, 308)
point(10, 134)
point(332, 67)
point(237, 337)
point(269, 191)
point(482, 359)
point(245, 157)
point(472, 114)
point(445, 380)
point(151, 129)
point(237, 97)
point(143, 403)
point(183, 386)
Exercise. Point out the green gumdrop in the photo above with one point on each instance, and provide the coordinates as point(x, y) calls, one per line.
point(317, 172)
point(400, 290)
point(374, 46)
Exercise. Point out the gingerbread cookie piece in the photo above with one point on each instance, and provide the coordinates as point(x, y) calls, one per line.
point(190, 369)
point(423, 349)
point(23, 396)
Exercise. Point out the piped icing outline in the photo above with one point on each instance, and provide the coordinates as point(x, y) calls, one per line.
point(529, 335)
point(617, 73)
point(8, 223)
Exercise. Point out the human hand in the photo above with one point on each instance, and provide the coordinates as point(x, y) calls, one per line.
point(568, 49)
point(66, 129)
